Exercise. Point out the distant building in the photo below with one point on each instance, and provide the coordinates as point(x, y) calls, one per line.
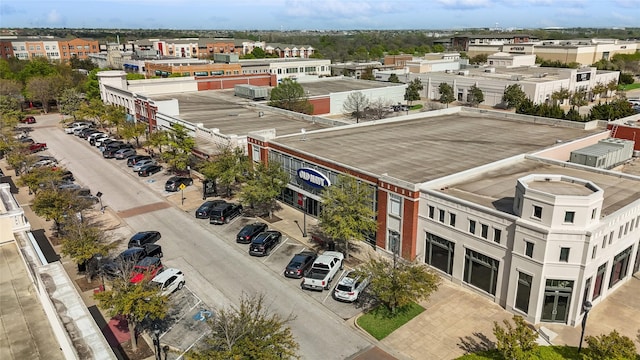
point(52, 48)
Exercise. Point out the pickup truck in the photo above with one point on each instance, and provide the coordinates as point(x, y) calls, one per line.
point(128, 258)
point(35, 147)
point(323, 270)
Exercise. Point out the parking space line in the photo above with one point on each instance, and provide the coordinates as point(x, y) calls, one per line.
point(275, 249)
point(333, 285)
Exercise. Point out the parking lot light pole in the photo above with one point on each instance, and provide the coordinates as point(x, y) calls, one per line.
point(586, 307)
point(304, 216)
point(156, 342)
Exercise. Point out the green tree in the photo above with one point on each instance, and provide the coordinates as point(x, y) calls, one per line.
point(393, 78)
point(578, 99)
point(413, 90)
point(11, 88)
point(560, 96)
point(136, 76)
point(115, 116)
point(258, 53)
point(264, 186)
point(626, 79)
point(37, 67)
point(290, 95)
point(158, 139)
point(611, 87)
point(475, 97)
point(355, 104)
point(55, 205)
point(94, 110)
point(399, 283)
point(83, 240)
point(612, 346)
point(43, 89)
point(247, 331)
point(515, 343)
point(181, 144)
point(438, 48)
point(599, 89)
point(136, 302)
point(10, 114)
point(133, 130)
point(446, 93)
point(478, 59)
point(228, 168)
point(69, 102)
point(513, 96)
point(347, 211)
point(36, 177)
point(91, 86)
point(367, 74)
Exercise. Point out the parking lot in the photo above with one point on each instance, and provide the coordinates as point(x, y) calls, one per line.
point(181, 330)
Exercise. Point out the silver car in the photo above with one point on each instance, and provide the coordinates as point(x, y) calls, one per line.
point(124, 153)
point(140, 164)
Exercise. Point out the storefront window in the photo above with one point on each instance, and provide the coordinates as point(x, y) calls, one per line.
point(620, 266)
point(523, 293)
point(481, 271)
point(439, 253)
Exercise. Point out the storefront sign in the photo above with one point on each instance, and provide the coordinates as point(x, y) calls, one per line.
point(583, 77)
point(313, 177)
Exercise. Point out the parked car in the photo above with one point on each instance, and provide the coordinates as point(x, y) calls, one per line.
point(223, 213)
point(168, 281)
point(132, 160)
point(204, 211)
point(142, 163)
point(126, 259)
point(100, 143)
point(350, 286)
point(28, 120)
point(84, 133)
point(124, 153)
point(69, 129)
point(174, 182)
point(144, 237)
point(111, 149)
point(248, 232)
point(300, 264)
point(264, 242)
point(149, 266)
point(35, 147)
point(78, 129)
point(149, 170)
point(97, 137)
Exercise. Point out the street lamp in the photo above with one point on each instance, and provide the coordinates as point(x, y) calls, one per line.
point(156, 342)
point(99, 258)
point(586, 307)
point(304, 216)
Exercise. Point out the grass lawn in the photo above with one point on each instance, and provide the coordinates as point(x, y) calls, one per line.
point(379, 322)
point(542, 353)
point(631, 87)
point(419, 106)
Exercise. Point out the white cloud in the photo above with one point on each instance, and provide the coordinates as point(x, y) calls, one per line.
point(54, 17)
point(464, 4)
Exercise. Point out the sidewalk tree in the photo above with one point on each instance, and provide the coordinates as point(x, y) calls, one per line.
point(290, 95)
point(247, 331)
point(399, 283)
point(612, 346)
point(264, 186)
point(36, 178)
point(157, 139)
point(515, 342)
point(69, 102)
point(83, 240)
point(95, 109)
point(513, 96)
point(180, 146)
point(446, 93)
point(55, 205)
point(136, 302)
point(476, 96)
point(378, 109)
point(133, 130)
point(115, 116)
point(347, 211)
point(599, 89)
point(611, 87)
point(578, 99)
point(228, 168)
point(412, 93)
point(355, 104)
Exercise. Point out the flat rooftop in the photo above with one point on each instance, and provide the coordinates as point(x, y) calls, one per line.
point(496, 188)
point(429, 148)
point(325, 87)
point(232, 115)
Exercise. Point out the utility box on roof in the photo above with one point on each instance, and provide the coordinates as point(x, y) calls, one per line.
point(605, 154)
point(252, 92)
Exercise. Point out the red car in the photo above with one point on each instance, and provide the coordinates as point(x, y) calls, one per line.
point(35, 147)
point(149, 266)
point(28, 120)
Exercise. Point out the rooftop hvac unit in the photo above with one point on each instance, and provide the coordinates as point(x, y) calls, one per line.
point(463, 73)
point(490, 70)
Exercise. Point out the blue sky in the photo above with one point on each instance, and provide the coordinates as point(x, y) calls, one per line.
point(318, 14)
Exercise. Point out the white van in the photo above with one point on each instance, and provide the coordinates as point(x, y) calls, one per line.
point(168, 281)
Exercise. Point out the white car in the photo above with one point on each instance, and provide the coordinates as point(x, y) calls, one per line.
point(168, 281)
point(142, 163)
point(350, 286)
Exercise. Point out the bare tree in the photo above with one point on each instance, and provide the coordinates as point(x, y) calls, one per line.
point(378, 109)
point(43, 89)
point(355, 105)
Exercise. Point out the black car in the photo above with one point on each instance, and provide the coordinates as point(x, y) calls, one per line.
point(124, 262)
point(204, 211)
point(246, 235)
point(223, 213)
point(149, 170)
point(262, 244)
point(144, 237)
point(174, 182)
point(132, 160)
point(300, 264)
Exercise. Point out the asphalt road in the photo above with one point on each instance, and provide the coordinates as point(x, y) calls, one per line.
point(219, 272)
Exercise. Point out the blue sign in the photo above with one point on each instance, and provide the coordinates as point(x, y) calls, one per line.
point(313, 177)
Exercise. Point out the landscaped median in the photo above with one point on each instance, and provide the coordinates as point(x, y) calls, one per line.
point(380, 322)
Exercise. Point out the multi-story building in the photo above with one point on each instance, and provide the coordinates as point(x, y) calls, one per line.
point(463, 42)
point(25, 48)
point(293, 68)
